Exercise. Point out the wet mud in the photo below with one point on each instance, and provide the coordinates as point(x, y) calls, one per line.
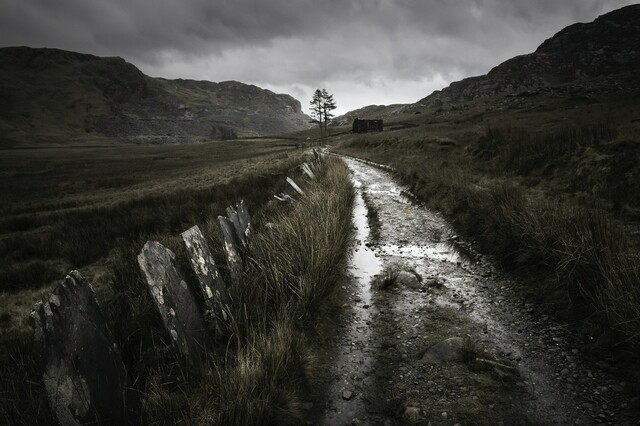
point(418, 284)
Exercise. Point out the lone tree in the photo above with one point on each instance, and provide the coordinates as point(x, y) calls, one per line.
point(322, 105)
point(328, 105)
point(316, 108)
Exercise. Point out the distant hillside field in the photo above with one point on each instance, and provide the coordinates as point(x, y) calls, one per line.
point(56, 96)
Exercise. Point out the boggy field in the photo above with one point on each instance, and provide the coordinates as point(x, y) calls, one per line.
point(92, 209)
point(65, 207)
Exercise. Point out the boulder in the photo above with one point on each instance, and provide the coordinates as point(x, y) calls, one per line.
point(449, 350)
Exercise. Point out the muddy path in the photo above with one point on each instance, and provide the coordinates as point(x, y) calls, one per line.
point(429, 332)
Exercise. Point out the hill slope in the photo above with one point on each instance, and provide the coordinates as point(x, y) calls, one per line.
point(610, 44)
point(58, 96)
point(573, 60)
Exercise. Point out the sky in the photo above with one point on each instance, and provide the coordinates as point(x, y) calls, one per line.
point(364, 52)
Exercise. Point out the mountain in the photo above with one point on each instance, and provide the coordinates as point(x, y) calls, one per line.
point(575, 60)
point(368, 112)
point(610, 44)
point(61, 96)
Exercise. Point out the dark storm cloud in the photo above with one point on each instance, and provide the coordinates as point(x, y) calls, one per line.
point(136, 27)
point(386, 50)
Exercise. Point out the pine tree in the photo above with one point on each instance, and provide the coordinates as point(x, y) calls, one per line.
point(322, 104)
point(328, 105)
point(316, 108)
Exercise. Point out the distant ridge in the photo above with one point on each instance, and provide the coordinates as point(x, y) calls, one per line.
point(610, 44)
point(580, 52)
point(55, 95)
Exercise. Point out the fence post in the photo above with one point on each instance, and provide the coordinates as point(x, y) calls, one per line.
point(307, 170)
point(245, 222)
point(295, 186)
point(84, 376)
point(231, 249)
point(214, 291)
point(174, 301)
point(241, 221)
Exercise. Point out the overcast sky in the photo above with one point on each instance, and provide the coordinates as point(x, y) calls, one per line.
point(363, 51)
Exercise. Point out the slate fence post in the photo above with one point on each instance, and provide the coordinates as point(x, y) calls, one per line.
point(83, 373)
point(175, 303)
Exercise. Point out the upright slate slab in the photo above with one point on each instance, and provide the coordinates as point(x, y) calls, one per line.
point(307, 170)
point(241, 221)
point(295, 186)
point(245, 223)
point(175, 302)
point(214, 291)
point(84, 376)
point(317, 161)
point(231, 249)
point(232, 215)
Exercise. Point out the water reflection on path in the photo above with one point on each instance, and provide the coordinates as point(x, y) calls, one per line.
point(355, 354)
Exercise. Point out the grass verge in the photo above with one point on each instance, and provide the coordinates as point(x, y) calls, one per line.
point(576, 253)
point(257, 371)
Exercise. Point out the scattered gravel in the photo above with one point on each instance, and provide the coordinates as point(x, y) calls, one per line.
point(512, 363)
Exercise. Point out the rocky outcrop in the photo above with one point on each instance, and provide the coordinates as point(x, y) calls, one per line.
point(56, 95)
point(610, 44)
point(370, 112)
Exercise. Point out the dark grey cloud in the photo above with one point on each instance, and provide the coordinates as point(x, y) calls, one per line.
point(364, 51)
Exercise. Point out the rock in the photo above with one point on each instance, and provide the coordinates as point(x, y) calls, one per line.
point(434, 282)
point(412, 414)
point(408, 279)
point(307, 405)
point(446, 351)
point(347, 395)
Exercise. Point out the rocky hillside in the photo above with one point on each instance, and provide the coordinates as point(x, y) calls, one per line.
point(370, 112)
point(608, 45)
point(59, 96)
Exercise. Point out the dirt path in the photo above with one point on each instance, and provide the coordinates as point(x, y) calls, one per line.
point(414, 288)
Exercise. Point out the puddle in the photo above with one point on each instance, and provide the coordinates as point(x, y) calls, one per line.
point(380, 333)
point(355, 354)
point(437, 251)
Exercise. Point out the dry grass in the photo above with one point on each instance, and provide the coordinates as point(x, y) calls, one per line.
point(109, 233)
point(575, 246)
point(66, 207)
point(301, 254)
point(259, 369)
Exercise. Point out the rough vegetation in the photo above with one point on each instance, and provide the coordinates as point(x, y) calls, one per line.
point(578, 244)
point(262, 363)
point(536, 163)
point(545, 178)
